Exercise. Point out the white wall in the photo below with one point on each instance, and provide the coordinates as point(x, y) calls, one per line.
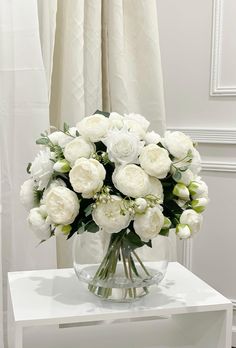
point(200, 92)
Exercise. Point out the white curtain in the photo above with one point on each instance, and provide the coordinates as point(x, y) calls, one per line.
point(24, 112)
point(106, 56)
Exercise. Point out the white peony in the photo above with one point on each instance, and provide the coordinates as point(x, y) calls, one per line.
point(42, 168)
point(183, 231)
point(94, 128)
point(142, 121)
point(148, 225)
point(54, 183)
point(108, 215)
point(59, 138)
point(152, 138)
point(87, 176)
point(123, 147)
point(198, 188)
point(27, 197)
point(131, 180)
point(155, 188)
point(192, 219)
point(195, 165)
point(38, 223)
point(77, 148)
point(62, 205)
point(177, 143)
point(116, 120)
point(155, 161)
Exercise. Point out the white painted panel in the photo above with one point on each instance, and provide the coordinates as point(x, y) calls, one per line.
point(214, 256)
point(227, 74)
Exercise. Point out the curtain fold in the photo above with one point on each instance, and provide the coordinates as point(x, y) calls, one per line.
point(24, 112)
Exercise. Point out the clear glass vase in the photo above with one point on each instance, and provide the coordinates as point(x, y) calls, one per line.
point(114, 270)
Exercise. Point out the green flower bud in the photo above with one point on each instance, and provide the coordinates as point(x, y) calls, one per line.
point(183, 231)
point(62, 230)
point(167, 223)
point(62, 166)
point(199, 204)
point(181, 191)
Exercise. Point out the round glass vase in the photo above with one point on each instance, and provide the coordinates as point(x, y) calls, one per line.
point(114, 270)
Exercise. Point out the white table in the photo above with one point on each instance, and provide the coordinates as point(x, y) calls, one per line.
point(183, 311)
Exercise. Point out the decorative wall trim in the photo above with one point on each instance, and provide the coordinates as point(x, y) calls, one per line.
point(219, 166)
point(209, 135)
point(215, 88)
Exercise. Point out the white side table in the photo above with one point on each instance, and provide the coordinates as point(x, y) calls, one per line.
point(183, 311)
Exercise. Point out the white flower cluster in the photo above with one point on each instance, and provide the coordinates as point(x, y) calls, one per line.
point(111, 173)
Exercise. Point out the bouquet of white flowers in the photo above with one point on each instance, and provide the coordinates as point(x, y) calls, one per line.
point(111, 173)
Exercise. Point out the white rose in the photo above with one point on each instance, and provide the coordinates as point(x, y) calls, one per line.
point(152, 138)
point(108, 215)
point(183, 231)
point(155, 188)
point(134, 127)
point(198, 188)
point(87, 176)
point(181, 191)
point(27, 195)
point(192, 219)
point(177, 143)
point(62, 205)
point(123, 147)
point(94, 127)
point(77, 148)
point(148, 225)
point(42, 168)
point(131, 180)
point(59, 138)
point(142, 121)
point(195, 165)
point(38, 223)
point(117, 120)
point(186, 177)
point(155, 161)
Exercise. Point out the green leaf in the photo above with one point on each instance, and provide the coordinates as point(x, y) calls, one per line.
point(131, 241)
point(104, 113)
point(164, 232)
point(88, 210)
point(66, 127)
point(42, 141)
point(28, 167)
point(91, 226)
point(77, 133)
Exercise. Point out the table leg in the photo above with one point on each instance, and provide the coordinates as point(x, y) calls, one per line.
point(18, 338)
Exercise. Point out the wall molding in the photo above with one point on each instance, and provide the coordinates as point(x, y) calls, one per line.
point(209, 135)
point(216, 89)
point(211, 166)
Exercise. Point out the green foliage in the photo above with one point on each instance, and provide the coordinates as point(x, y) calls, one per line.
point(65, 127)
point(104, 113)
point(28, 167)
point(43, 141)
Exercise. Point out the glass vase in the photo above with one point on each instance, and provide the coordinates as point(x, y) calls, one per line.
point(116, 271)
